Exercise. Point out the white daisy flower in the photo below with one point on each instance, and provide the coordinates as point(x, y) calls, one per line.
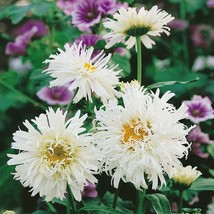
point(76, 66)
point(142, 140)
point(128, 23)
point(54, 154)
point(185, 176)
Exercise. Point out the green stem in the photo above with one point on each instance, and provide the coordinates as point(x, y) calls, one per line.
point(51, 207)
point(116, 194)
point(19, 93)
point(70, 202)
point(141, 196)
point(184, 33)
point(180, 203)
point(69, 106)
point(139, 60)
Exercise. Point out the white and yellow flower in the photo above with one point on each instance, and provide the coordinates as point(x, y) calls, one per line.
point(130, 23)
point(143, 140)
point(186, 175)
point(76, 66)
point(54, 153)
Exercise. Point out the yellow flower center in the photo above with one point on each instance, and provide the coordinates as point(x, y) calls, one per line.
point(57, 153)
point(134, 131)
point(89, 67)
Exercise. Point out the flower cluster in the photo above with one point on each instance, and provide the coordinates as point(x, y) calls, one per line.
point(93, 123)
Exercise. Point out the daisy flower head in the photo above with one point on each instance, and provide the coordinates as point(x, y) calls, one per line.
point(142, 140)
point(185, 176)
point(54, 154)
point(130, 23)
point(89, 75)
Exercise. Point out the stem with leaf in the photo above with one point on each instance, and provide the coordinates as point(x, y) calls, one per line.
point(70, 202)
point(139, 60)
point(141, 196)
point(19, 93)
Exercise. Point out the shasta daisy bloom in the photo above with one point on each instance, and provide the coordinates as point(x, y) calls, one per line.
point(185, 176)
point(88, 74)
point(54, 154)
point(130, 23)
point(143, 140)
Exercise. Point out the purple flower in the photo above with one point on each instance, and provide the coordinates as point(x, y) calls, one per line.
point(88, 39)
point(86, 14)
point(199, 109)
point(108, 6)
point(202, 35)
point(210, 3)
point(197, 137)
point(89, 191)
point(56, 95)
point(42, 30)
point(178, 24)
point(19, 46)
point(67, 6)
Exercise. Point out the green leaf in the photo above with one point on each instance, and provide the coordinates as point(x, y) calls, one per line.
point(17, 13)
point(125, 206)
point(192, 6)
point(67, 34)
point(188, 195)
point(40, 212)
point(174, 1)
point(211, 171)
point(176, 74)
point(102, 209)
point(162, 84)
point(192, 210)
point(210, 87)
point(58, 201)
point(203, 184)
point(159, 203)
point(39, 10)
point(210, 149)
point(5, 11)
point(123, 64)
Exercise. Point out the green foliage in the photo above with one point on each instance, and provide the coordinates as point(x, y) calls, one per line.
point(192, 210)
point(40, 212)
point(176, 74)
point(17, 13)
point(101, 209)
point(162, 84)
point(203, 184)
point(10, 96)
point(159, 203)
point(210, 149)
point(123, 64)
